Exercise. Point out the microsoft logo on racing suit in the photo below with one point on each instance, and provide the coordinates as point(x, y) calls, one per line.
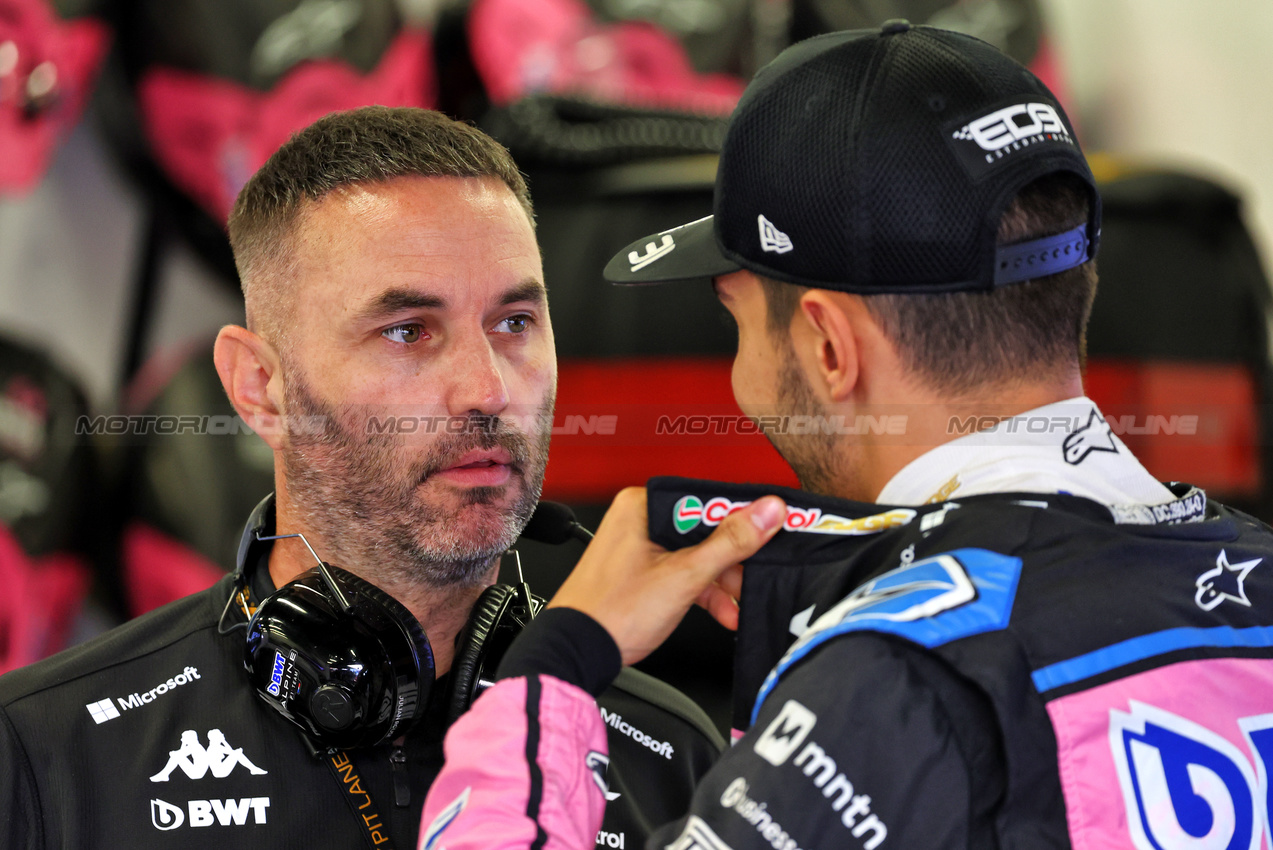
point(689, 511)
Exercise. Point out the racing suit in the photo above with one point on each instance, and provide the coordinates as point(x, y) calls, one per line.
point(151, 736)
point(994, 669)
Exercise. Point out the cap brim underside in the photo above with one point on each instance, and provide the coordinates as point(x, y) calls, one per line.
point(685, 253)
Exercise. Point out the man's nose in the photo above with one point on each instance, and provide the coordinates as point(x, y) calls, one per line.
point(475, 382)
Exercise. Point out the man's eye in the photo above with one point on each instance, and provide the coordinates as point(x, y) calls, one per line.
point(407, 333)
point(516, 324)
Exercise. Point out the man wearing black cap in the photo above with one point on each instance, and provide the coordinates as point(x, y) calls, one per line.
point(995, 630)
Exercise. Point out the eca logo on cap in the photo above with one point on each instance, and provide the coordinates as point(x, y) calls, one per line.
point(1012, 124)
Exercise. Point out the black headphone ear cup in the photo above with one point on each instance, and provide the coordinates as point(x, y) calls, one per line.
point(352, 673)
point(399, 614)
point(471, 647)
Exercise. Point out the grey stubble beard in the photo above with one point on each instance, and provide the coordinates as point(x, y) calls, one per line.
point(355, 489)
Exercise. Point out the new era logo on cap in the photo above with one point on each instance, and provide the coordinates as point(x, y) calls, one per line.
point(102, 711)
point(771, 238)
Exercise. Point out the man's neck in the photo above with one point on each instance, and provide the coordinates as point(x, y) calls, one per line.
point(442, 612)
point(873, 461)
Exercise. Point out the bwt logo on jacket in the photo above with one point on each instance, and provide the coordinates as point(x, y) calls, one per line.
point(199, 813)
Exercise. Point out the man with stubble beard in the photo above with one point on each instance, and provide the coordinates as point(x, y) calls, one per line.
point(398, 360)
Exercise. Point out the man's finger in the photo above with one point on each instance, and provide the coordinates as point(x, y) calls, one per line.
point(739, 536)
point(731, 581)
point(720, 605)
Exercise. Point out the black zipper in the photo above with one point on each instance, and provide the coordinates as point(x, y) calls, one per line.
point(398, 770)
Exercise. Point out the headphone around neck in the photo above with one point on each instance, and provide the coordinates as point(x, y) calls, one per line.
point(349, 664)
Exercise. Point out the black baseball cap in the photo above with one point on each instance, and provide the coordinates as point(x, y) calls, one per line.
point(879, 161)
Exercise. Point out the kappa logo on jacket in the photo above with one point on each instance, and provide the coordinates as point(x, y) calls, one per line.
point(195, 761)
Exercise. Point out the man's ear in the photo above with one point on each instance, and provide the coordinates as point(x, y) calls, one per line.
point(825, 341)
point(251, 375)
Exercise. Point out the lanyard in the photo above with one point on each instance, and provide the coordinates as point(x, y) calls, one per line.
point(359, 800)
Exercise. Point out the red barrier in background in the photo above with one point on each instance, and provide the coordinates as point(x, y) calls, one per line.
point(622, 421)
point(1218, 451)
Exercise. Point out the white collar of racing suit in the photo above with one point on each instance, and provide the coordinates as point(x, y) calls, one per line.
point(1065, 447)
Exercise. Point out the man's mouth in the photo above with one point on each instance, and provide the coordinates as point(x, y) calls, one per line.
point(479, 468)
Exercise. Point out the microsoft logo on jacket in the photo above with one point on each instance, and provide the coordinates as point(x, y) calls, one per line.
point(103, 710)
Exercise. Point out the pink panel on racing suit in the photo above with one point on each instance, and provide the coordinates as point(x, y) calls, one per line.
point(1155, 759)
point(481, 797)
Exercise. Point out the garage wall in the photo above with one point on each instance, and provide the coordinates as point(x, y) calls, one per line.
point(1177, 82)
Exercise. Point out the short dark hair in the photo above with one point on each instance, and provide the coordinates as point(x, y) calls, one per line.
point(367, 145)
point(959, 341)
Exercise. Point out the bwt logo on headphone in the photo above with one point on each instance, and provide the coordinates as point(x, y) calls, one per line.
point(1012, 124)
point(276, 677)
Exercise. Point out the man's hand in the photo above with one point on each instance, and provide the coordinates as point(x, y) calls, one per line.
point(639, 591)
